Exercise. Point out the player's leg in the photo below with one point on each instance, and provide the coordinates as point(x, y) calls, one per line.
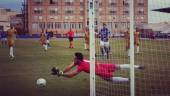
point(11, 48)
point(137, 47)
point(48, 43)
point(72, 42)
point(107, 49)
point(117, 79)
point(128, 47)
point(45, 46)
point(127, 66)
point(102, 49)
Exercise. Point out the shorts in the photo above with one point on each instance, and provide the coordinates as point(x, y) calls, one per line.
point(70, 39)
point(105, 70)
point(10, 43)
point(102, 43)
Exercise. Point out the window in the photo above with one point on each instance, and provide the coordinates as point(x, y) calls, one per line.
point(38, 10)
point(50, 25)
point(141, 4)
point(125, 3)
point(112, 3)
point(38, 1)
point(69, 10)
point(57, 25)
point(141, 11)
point(126, 12)
point(80, 25)
point(53, 1)
point(53, 11)
point(42, 25)
point(112, 12)
point(69, 2)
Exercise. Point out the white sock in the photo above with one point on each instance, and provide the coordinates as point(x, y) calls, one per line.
point(45, 46)
point(85, 47)
point(128, 52)
point(119, 79)
point(127, 66)
point(11, 52)
point(137, 49)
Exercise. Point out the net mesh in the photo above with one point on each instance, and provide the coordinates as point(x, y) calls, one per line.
point(154, 49)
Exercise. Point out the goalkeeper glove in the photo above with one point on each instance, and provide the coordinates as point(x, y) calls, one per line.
point(55, 71)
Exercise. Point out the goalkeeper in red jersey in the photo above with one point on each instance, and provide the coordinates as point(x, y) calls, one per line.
point(104, 70)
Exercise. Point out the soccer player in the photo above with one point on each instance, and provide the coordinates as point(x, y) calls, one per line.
point(103, 70)
point(49, 35)
point(87, 39)
point(43, 39)
point(136, 40)
point(11, 36)
point(4, 38)
point(70, 35)
point(104, 35)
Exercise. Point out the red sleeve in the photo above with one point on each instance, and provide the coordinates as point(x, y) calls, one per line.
point(79, 68)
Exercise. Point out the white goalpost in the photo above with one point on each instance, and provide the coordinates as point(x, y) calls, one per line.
point(92, 48)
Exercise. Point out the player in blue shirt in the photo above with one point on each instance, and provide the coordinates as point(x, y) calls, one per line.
point(104, 35)
point(49, 35)
point(3, 38)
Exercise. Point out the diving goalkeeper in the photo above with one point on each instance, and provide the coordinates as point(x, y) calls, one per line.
point(103, 70)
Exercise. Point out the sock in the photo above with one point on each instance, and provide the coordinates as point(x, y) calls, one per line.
point(137, 49)
point(103, 50)
point(11, 52)
point(128, 52)
point(45, 46)
point(119, 79)
point(127, 66)
point(85, 47)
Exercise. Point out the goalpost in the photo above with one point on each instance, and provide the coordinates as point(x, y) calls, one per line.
point(92, 48)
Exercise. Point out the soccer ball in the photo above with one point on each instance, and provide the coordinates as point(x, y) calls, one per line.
point(41, 82)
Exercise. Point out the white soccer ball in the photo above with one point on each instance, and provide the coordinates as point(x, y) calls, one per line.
point(41, 82)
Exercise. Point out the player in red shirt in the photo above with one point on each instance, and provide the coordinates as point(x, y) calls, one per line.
point(70, 35)
point(104, 70)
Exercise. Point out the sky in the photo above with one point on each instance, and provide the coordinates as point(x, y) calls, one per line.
point(13, 4)
point(154, 17)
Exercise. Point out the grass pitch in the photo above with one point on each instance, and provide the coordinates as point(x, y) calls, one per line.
point(18, 77)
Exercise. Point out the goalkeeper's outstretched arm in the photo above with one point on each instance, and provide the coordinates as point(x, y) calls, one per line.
point(70, 74)
point(69, 67)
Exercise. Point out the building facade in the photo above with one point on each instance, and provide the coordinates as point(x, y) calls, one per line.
point(60, 16)
point(5, 18)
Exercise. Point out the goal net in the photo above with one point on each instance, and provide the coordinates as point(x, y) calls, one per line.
point(151, 34)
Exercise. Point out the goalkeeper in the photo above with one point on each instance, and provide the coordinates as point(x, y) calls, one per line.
point(104, 70)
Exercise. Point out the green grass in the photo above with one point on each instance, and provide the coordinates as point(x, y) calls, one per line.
point(18, 77)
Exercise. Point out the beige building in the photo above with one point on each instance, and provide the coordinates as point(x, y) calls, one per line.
point(5, 18)
point(61, 15)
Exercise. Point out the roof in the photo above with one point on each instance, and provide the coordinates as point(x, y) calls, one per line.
point(161, 27)
point(165, 10)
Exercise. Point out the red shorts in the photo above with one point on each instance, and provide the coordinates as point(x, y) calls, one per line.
point(105, 70)
point(70, 39)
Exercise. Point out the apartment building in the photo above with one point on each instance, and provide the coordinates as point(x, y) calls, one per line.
point(59, 16)
point(5, 18)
